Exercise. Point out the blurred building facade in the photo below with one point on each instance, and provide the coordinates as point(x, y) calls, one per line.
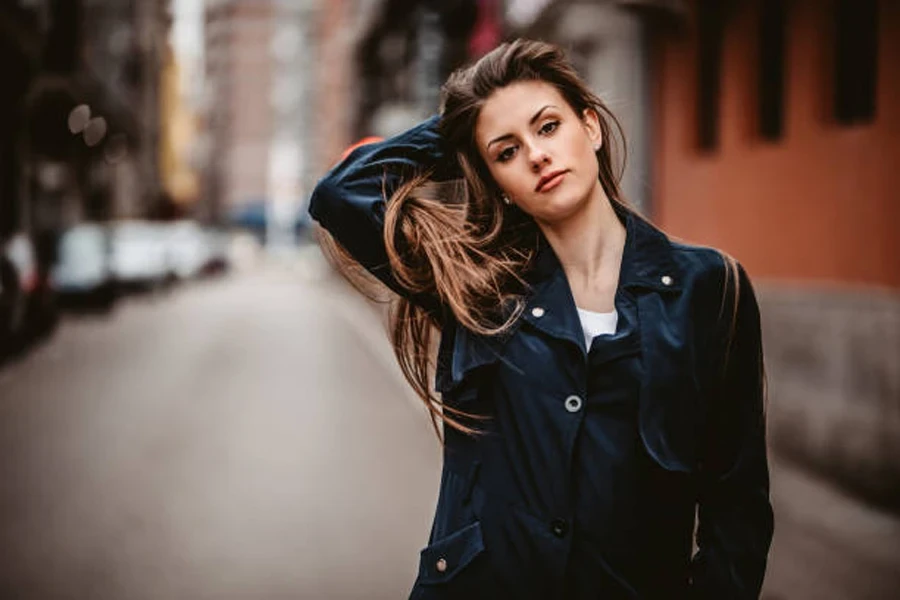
point(238, 109)
point(178, 139)
point(80, 136)
point(261, 60)
point(289, 85)
point(339, 27)
point(126, 49)
point(403, 53)
point(57, 167)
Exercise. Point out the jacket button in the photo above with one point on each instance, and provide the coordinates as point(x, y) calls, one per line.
point(666, 280)
point(573, 404)
point(441, 565)
point(537, 311)
point(559, 527)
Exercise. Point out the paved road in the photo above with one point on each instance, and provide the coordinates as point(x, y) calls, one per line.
point(251, 438)
point(238, 439)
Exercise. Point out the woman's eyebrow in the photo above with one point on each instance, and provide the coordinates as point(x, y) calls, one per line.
point(536, 116)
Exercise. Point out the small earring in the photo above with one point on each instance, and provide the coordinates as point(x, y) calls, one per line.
point(506, 199)
point(596, 147)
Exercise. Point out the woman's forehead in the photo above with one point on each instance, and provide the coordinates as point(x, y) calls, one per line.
point(513, 107)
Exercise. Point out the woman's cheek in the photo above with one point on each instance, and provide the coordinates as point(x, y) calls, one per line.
point(507, 182)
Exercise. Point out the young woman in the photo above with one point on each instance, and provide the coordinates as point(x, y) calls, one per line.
point(600, 386)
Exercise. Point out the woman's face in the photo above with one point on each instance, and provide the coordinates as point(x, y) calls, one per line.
point(539, 151)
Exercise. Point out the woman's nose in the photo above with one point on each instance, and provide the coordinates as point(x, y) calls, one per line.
point(538, 157)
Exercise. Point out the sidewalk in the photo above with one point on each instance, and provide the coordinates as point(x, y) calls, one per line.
point(828, 545)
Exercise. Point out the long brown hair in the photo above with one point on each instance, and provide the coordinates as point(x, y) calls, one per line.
point(455, 241)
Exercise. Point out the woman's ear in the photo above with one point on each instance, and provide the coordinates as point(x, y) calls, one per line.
point(591, 121)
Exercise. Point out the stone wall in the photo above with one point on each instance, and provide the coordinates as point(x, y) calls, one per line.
point(833, 361)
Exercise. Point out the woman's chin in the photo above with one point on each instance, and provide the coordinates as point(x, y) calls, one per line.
point(557, 209)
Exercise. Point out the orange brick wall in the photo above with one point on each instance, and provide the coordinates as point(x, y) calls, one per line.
point(822, 203)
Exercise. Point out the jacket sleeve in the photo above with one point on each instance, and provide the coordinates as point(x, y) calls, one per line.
point(349, 201)
point(735, 516)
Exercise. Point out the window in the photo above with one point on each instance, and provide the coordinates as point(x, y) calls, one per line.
point(710, 31)
point(772, 29)
point(856, 52)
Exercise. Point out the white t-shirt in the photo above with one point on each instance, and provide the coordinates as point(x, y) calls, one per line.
point(597, 323)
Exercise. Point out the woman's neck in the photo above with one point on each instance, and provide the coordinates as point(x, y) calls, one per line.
point(589, 246)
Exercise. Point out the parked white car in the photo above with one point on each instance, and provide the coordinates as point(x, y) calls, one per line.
point(189, 249)
point(83, 267)
point(138, 253)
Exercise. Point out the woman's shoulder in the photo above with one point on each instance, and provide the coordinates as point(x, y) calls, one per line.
point(700, 262)
point(709, 271)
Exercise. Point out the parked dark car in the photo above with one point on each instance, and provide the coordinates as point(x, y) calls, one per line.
point(12, 305)
point(34, 308)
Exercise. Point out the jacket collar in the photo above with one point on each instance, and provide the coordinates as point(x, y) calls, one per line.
point(648, 265)
point(550, 307)
point(647, 261)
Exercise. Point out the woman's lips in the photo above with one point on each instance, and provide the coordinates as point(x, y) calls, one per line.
point(548, 183)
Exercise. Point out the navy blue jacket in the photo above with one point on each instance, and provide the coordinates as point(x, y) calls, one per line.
point(593, 462)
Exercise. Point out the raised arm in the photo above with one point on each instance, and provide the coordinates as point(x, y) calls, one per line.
point(349, 201)
point(735, 516)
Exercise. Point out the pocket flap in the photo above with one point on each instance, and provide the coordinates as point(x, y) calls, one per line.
point(461, 352)
point(441, 561)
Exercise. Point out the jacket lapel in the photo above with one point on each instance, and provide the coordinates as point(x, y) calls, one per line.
point(667, 411)
point(668, 396)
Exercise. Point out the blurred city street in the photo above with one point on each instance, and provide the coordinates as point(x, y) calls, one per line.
point(194, 405)
point(242, 438)
point(250, 437)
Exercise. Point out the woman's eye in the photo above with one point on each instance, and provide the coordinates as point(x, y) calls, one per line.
point(506, 154)
point(549, 127)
